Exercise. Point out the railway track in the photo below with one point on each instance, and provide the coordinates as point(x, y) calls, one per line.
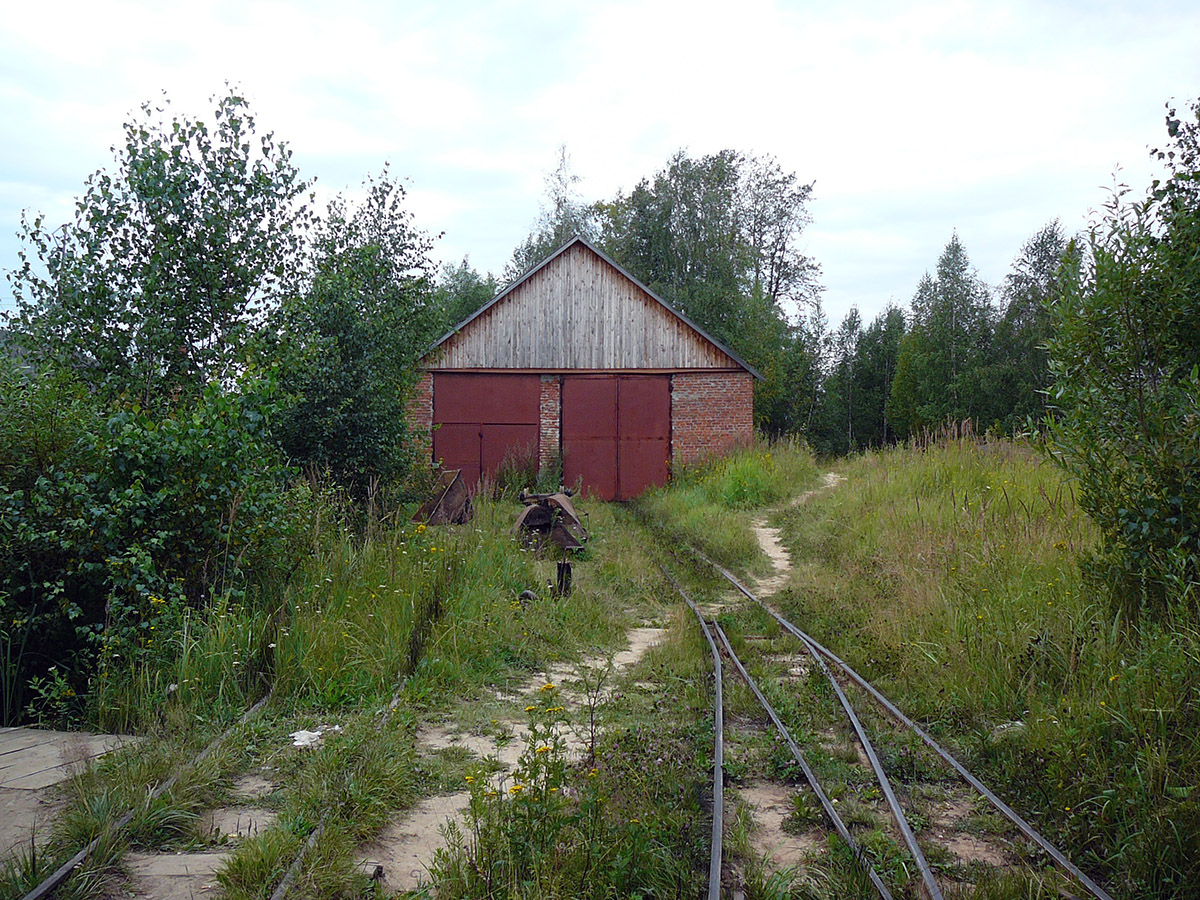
point(49, 886)
point(724, 649)
point(57, 878)
point(823, 659)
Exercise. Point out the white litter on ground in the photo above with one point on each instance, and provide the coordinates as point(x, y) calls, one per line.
point(310, 739)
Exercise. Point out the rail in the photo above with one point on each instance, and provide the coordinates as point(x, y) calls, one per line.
point(821, 652)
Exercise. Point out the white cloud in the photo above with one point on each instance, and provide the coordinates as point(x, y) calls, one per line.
point(913, 119)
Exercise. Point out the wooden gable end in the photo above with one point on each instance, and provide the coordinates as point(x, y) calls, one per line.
point(579, 311)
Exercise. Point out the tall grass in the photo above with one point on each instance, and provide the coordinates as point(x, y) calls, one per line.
point(705, 506)
point(952, 577)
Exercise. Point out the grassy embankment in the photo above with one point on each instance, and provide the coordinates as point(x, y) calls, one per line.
point(951, 578)
point(432, 618)
point(947, 576)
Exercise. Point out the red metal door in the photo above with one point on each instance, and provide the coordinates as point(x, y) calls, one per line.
point(643, 433)
point(499, 441)
point(480, 418)
point(589, 434)
point(616, 433)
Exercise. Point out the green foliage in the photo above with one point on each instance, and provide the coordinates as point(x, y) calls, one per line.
point(703, 506)
point(948, 577)
point(718, 238)
point(1019, 374)
point(459, 293)
point(113, 521)
point(630, 827)
point(942, 356)
point(350, 342)
point(1125, 360)
point(852, 411)
point(154, 289)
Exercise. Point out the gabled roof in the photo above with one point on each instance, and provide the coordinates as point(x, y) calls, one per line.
point(532, 272)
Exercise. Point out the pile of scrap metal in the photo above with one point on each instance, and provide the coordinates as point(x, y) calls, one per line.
point(450, 503)
point(550, 517)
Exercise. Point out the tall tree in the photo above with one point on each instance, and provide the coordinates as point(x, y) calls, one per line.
point(353, 338)
point(1019, 374)
point(563, 216)
point(459, 292)
point(840, 394)
point(156, 286)
point(878, 351)
point(943, 356)
point(718, 237)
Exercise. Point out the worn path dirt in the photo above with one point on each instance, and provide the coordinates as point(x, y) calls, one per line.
point(406, 847)
point(771, 802)
point(769, 539)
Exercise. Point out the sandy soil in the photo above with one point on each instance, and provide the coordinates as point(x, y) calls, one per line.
point(406, 847)
point(948, 821)
point(170, 876)
point(769, 540)
point(772, 804)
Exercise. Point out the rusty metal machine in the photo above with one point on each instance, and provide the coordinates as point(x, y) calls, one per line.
point(551, 519)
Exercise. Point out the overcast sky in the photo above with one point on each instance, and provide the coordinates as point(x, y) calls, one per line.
point(913, 120)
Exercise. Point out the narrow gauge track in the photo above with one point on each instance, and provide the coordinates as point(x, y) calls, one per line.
point(294, 870)
point(823, 656)
point(59, 876)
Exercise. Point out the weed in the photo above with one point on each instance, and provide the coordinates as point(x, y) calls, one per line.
point(803, 814)
point(948, 576)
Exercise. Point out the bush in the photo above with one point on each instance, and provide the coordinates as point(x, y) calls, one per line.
point(112, 522)
point(1125, 360)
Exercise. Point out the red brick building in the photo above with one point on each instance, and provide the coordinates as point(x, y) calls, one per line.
point(578, 361)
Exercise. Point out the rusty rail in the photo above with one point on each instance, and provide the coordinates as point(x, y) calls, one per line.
point(797, 754)
point(714, 865)
point(59, 876)
point(1007, 811)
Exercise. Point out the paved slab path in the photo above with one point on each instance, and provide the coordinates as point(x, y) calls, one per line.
point(32, 761)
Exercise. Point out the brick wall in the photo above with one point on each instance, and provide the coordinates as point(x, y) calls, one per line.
point(550, 430)
point(710, 413)
point(420, 418)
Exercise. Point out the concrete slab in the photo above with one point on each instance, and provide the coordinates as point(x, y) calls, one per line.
point(32, 759)
point(237, 823)
point(172, 876)
point(25, 816)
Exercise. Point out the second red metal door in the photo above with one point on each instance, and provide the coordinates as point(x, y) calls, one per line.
point(616, 433)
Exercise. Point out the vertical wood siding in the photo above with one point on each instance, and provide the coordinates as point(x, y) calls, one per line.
point(579, 312)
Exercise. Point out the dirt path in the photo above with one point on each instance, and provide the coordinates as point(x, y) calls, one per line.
point(768, 537)
point(405, 848)
point(771, 803)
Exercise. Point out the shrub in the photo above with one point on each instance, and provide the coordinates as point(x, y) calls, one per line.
point(113, 521)
point(1125, 360)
